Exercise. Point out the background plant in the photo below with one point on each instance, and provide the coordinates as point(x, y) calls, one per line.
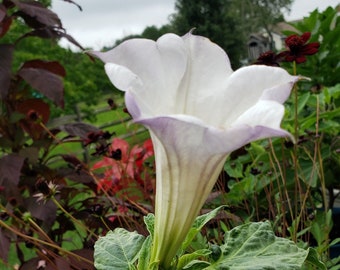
point(294, 186)
point(50, 215)
point(51, 207)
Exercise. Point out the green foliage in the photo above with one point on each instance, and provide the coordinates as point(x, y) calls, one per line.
point(85, 80)
point(249, 246)
point(261, 179)
point(254, 246)
point(227, 22)
point(322, 68)
point(48, 202)
point(222, 21)
point(212, 19)
point(320, 228)
point(117, 250)
point(289, 183)
point(197, 227)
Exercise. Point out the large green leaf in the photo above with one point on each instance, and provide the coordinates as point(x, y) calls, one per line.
point(254, 246)
point(117, 250)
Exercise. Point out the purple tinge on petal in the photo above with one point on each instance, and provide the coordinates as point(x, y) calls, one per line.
point(132, 106)
point(241, 135)
point(188, 133)
point(279, 93)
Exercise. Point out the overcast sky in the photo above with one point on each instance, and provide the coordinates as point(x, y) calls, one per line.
point(103, 21)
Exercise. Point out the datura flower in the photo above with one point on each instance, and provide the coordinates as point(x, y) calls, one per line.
point(197, 110)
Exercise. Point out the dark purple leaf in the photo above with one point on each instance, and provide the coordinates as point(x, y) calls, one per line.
point(6, 56)
point(52, 66)
point(4, 26)
point(62, 263)
point(70, 39)
point(43, 211)
point(32, 108)
point(79, 129)
point(10, 168)
point(36, 15)
point(8, 4)
point(4, 245)
point(73, 175)
point(2, 12)
point(80, 264)
point(72, 160)
point(53, 33)
point(46, 82)
point(74, 3)
point(37, 263)
point(45, 32)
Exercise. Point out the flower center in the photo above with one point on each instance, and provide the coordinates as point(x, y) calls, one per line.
point(295, 42)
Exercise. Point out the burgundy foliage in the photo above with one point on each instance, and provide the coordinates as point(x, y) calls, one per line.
point(29, 171)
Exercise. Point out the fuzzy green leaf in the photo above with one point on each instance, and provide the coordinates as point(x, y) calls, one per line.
point(117, 250)
point(254, 246)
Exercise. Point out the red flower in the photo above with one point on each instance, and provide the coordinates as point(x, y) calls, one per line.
point(269, 58)
point(298, 48)
point(125, 169)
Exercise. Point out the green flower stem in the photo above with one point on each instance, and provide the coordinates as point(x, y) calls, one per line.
point(295, 158)
point(319, 156)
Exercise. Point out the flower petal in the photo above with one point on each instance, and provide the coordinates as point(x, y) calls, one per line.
point(121, 77)
point(247, 86)
point(186, 173)
point(186, 133)
point(207, 73)
point(189, 158)
point(159, 66)
point(230, 96)
point(197, 111)
point(264, 113)
point(305, 36)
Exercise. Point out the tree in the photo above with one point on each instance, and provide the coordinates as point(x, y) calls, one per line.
point(228, 22)
point(260, 15)
point(212, 19)
point(83, 76)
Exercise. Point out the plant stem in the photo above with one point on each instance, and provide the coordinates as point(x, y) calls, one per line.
point(35, 240)
point(295, 160)
point(71, 217)
point(318, 150)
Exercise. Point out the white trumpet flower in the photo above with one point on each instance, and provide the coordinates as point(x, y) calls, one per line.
point(198, 110)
